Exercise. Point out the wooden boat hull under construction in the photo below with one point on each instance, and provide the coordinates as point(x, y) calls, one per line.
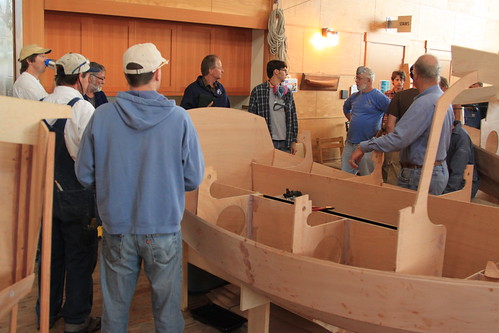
point(383, 259)
point(358, 299)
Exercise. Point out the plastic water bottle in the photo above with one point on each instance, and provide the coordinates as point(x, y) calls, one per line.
point(50, 63)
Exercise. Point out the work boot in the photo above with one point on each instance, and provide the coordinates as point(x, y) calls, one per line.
point(52, 321)
point(92, 324)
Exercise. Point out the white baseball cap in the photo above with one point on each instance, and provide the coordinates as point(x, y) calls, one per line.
point(142, 58)
point(74, 63)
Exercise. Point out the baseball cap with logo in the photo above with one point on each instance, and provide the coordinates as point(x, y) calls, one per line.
point(142, 58)
point(29, 50)
point(74, 63)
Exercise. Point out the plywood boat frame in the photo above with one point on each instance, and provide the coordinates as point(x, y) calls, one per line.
point(27, 153)
point(416, 283)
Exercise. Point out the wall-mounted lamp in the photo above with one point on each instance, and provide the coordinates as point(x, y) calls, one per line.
point(331, 36)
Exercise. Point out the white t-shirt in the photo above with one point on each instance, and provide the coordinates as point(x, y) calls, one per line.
point(81, 112)
point(277, 116)
point(28, 87)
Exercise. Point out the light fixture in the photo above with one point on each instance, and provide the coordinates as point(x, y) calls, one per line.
point(332, 37)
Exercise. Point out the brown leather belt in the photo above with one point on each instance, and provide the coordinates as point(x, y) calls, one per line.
point(415, 166)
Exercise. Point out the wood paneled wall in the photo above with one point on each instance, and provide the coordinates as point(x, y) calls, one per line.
point(104, 39)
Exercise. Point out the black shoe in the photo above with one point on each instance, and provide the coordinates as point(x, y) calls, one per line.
point(52, 321)
point(92, 324)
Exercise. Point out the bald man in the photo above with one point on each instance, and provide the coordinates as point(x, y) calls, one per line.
point(413, 130)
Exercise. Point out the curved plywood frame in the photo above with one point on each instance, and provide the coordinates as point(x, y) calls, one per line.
point(26, 175)
point(354, 298)
point(242, 140)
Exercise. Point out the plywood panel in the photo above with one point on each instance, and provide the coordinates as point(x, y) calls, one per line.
point(296, 11)
point(241, 144)
point(312, 57)
point(10, 155)
point(233, 46)
point(352, 15)
point(393, 58)
point(328, 104)
point(305, 103)
point(323, 128)
point(372, 246)
point(295, 48)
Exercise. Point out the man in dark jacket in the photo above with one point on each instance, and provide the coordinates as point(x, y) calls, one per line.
point(460, 154)
point(206, 90)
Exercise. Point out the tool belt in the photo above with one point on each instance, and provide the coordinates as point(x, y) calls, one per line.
point(406, 165)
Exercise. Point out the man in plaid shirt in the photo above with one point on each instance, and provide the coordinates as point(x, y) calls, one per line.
point(275, 103)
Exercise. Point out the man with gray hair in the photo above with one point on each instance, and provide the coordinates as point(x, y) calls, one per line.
point(94, 93)
point(207, 90)
point(412, 132)
point(364, 110)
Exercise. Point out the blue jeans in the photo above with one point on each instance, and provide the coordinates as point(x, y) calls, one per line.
point(366, 165)
point(121, 258)
point(281, 145)
point(409, 178)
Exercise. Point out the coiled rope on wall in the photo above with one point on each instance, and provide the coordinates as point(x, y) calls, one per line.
point(278, 42)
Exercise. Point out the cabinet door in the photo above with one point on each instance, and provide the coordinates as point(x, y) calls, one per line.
point(193, 44)
point(104, 39)
point(162, 35)
point(233, 46)
point(62, 35)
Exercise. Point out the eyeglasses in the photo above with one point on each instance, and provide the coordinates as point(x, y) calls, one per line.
point(98, 77)
point(78, 68)
point(278, 106)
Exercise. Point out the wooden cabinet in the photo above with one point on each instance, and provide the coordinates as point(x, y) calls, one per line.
point(104, 39)
point(193, 44)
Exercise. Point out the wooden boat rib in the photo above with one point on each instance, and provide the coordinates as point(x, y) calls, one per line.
point(384, 259)
point(26, 175)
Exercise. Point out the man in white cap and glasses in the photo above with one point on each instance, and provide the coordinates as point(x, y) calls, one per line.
point(27, 85)
point(74, 232)
point(142, 153)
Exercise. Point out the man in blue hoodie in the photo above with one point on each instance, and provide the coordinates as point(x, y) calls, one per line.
point(142, 153)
